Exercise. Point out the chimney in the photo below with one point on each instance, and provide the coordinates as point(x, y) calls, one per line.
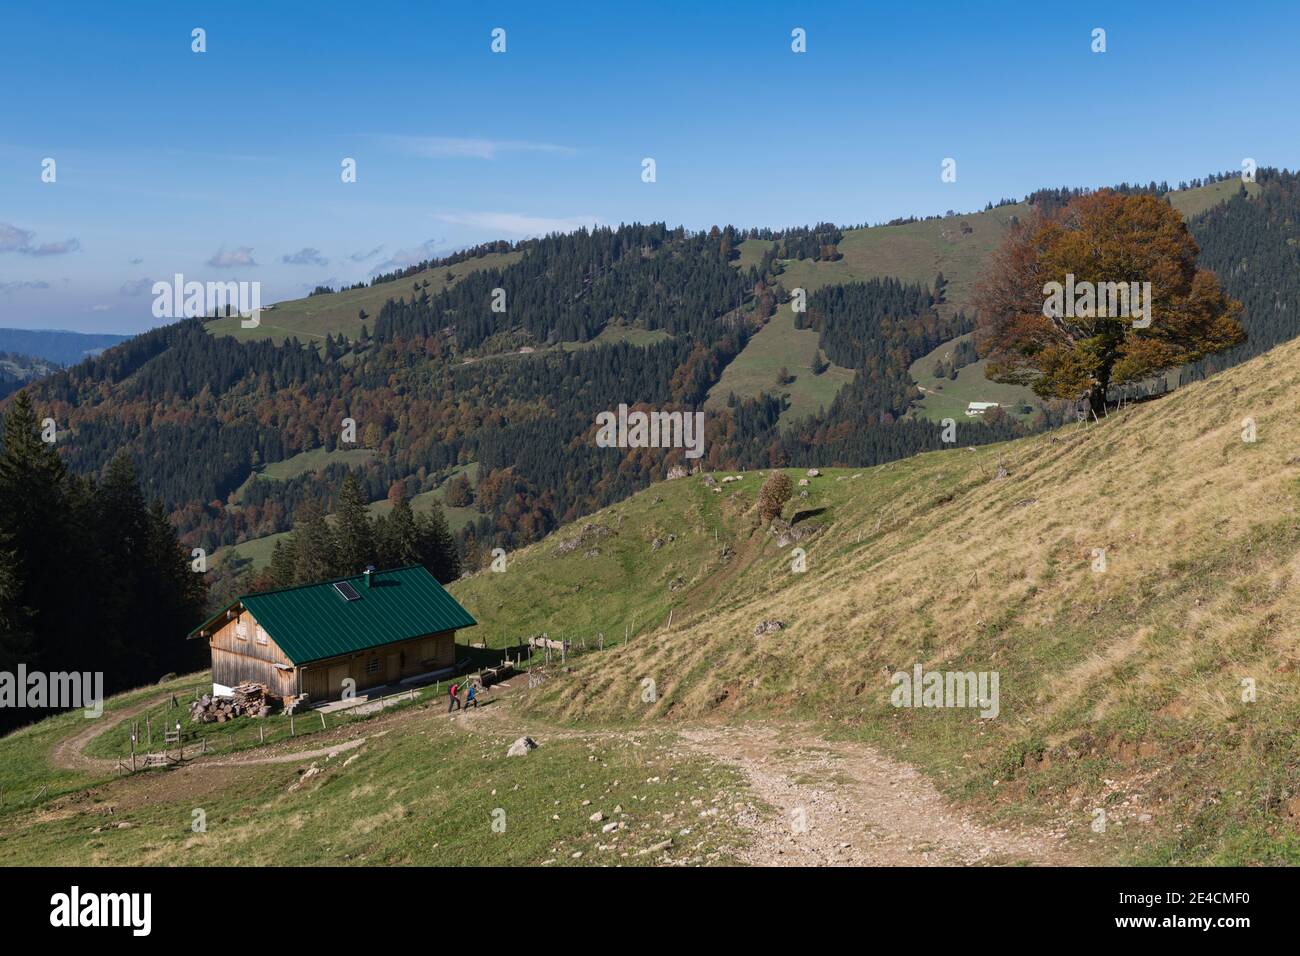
point(369, 573)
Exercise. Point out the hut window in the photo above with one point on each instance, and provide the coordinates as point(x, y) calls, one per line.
point(241, 630)
point(261, 634)
point(372, 666)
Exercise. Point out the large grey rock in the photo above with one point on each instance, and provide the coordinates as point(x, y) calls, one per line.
point(521, 747)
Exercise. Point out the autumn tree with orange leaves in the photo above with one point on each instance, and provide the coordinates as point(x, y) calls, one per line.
point(1099, 239)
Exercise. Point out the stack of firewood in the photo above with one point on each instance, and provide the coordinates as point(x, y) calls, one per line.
point(208, 709)
point(249, 700)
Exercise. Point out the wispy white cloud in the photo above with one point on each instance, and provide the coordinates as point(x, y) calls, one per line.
point(23, 284)
point(13, 239)
point(454, 147)
point(517, 224)
point(306, 257)
point(136, 286)
point(233, 258)
point(411, 255)
point(363, 256)
point(60, 248)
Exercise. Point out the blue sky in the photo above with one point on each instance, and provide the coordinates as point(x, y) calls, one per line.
point(225, 164)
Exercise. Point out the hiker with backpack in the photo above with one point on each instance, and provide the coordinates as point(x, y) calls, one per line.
point(453, 697)
point(471, 696)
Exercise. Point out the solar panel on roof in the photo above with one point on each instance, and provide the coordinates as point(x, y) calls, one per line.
point(347, 590)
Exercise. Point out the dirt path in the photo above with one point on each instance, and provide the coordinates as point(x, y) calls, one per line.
point(835, 803)
point(68, 753)
point(840, 804)
point(295, 757)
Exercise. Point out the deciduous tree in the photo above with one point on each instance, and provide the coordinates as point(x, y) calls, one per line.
point(1101, 238)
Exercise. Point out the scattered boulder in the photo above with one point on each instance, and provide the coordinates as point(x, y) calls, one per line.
point(521, 747)
point(814, 473)
point(767, 627)
point(710, 482)
point(677, 471)
point(304, 776)
point(656, 544)
point(588, 534)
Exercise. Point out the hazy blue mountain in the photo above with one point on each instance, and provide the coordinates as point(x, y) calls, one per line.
point(54, 345)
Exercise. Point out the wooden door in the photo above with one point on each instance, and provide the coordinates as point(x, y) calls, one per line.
point(338, 673)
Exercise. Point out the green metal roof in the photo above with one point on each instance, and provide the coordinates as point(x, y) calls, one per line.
point(315, 621)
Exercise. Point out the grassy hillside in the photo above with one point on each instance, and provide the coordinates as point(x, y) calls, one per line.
point(613, 334)
point(946, 398)
point(259, 550)
point(1191, 202)
point(957, 246)
point(1121, 689)
point(1121, 683)
point(415, 790)
point(310, 319)
point(777, 345)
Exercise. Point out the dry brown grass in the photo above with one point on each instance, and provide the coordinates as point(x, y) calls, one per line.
point(933, 560)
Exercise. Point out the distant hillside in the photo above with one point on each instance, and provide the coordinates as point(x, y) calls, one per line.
point(661, 313)
point(339, 313)
point(644, 313)
point(917, 251)
point(53, 345)
point(17, 370)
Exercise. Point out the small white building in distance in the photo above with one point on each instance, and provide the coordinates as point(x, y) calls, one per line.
point(979, 408)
